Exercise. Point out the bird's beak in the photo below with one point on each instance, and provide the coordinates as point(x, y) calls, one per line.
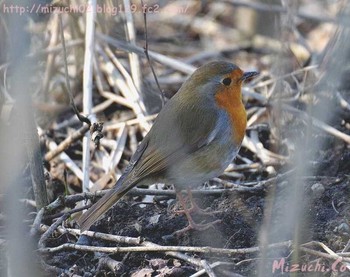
point(249, 75)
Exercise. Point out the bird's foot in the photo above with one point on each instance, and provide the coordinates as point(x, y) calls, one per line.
point(187, 211)
point(195, 226)
point(194, 208)
point(197, 210)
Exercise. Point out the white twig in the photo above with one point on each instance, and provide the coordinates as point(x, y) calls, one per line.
point(69, 163)
point(117, 80)
point(318, 123)
point(133, 94)
point(113, 126)
point(117, 153)
point(87, 86)
point(208, 268)
point(213, 265)
point(343, 103)
point(131, 36)
point(160, 248)
point(173, 63)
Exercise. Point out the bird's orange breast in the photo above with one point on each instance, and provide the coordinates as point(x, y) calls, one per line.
point(230, 99)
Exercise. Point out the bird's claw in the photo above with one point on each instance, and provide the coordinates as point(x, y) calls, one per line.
point(196, 226)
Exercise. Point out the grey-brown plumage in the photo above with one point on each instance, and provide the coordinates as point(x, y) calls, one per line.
point(189, 142)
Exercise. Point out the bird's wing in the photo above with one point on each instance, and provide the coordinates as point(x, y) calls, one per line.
point(134, 159)
point(169, 145)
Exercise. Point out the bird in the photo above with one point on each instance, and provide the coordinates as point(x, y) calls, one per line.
point(196, 135)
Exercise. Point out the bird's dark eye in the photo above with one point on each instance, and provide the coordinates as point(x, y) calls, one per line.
point(227, 81)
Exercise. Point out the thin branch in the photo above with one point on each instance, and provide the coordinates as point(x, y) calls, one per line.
point(158, 248)
point(115, 266)
point(68, 161)
point(51, 56)
point(50, 230)
point(343, 103)
point(213, 265)
point(37, 222)
point(147, 55)
point(135, 121)
point(171, 62)
point(208, 268)
point(77, 135)
point(127, 240)
point(70, 212)
point(247, 187)
point(133, 58)
point(117, 80)
point(97, 235)
point(318, 123)
point(70, 94)
point(323, 255)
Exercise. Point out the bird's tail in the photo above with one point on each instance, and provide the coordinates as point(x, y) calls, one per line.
point(102, 206)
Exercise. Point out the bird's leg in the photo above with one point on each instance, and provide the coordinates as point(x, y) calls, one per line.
point(194, 208)
point(191, 224)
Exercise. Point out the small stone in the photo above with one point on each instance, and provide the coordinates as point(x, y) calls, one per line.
point(158, 263)
point(317, 190)
point(154, 219)
point(177, 263)
point(138, 227)
point(271, 170)
point(343, 228)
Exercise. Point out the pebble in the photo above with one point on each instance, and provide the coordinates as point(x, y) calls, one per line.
point(343, 228)
point(317, 190)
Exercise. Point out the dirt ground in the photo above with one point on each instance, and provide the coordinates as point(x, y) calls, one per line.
point(326, 212)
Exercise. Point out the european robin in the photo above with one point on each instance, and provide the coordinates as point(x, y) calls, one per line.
point(195, 137)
